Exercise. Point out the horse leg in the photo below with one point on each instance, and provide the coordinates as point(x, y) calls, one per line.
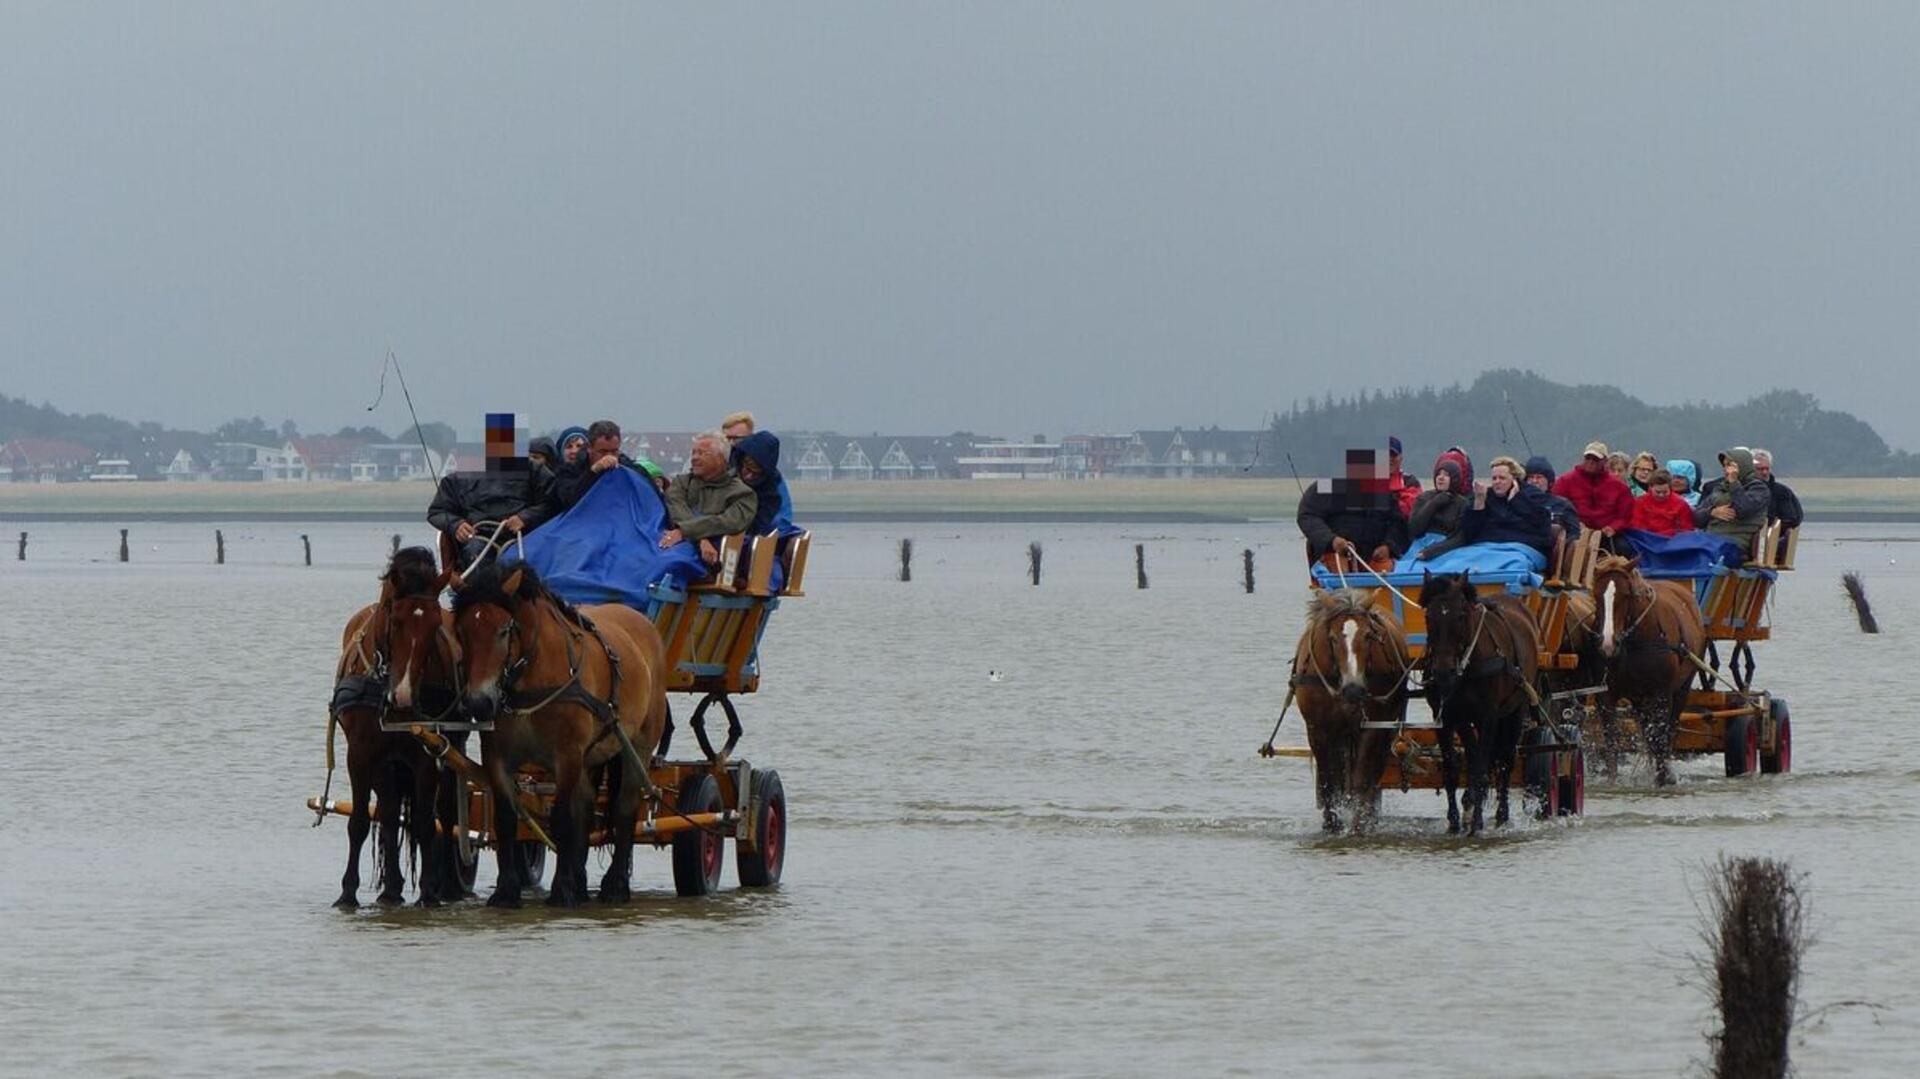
point(1364, 779)
point(1450, 776)
point(572, 816)
point(506, 826)
point(1661, 715)
point(421, 817)
point(1333, 783)
point(1506, 747)
point(623, 806)
point(358, 824)
point(447, 787)
point(1326, 784)
point(1476, 750)
point(393, 795)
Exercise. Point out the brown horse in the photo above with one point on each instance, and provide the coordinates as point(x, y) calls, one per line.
point(1481, 663)
point(395, 666)
point(1646, 630)
point(1349, 668)
point(572, 691)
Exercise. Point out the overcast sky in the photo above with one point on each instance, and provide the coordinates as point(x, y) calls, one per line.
point(1010, 218)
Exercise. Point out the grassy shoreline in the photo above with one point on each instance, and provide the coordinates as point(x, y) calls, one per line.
point(1168, 500)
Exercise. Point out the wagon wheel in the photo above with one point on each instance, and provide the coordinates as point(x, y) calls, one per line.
point(533, 862)
point(1743, 746)
point(760, 857)
point(1539, 775)
point(1781, 759)
point(697, 851)
point(1573, 787)
point(466, 853)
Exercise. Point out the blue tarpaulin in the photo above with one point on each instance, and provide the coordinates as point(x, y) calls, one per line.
point(1511, 564)
point(606, 549)
point(1688, 554)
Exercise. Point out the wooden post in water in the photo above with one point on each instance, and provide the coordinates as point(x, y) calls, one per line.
point(307, 545)
point(1139, 565)
point(396, 543)
point(1246, 562)
point(1856, 591)
point(219, 548)
point(23, 547)
point(1033, 562)
point(123, 545)
point(906, 559)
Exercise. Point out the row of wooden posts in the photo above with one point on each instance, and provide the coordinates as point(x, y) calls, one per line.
point(219, 547)
point(1035, 552)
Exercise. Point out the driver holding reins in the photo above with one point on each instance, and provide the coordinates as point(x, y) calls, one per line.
point(512, 492)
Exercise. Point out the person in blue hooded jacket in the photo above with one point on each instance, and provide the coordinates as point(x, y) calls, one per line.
point(756, 459)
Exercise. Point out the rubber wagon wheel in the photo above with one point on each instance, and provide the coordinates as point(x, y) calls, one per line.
point(697, 852)
point(1781, 759)
point(466, 853)
point(1541, 782)
point(533, 862)
point(760, 859)
point(1743, 746)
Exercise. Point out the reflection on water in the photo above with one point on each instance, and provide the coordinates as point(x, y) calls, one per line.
point(1081, 868)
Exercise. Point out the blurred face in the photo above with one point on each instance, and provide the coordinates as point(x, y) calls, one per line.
point(750, 470)
point(1679, 485)
point(1661, 490)
point(1763, 468)
point(709, 459)
point(736, 431)
point(1539, 480)
point(1618, 468)
point(1501, 481)
point(1592, 465)
point(1643, 473)
point(605, 445)
point(1731, 469)
point(573, 449)
point(1442, 480)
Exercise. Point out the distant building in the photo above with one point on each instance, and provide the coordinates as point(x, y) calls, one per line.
point(184, 468)
point(386, 462)
point(1002, 460)
point(111, 470)
point(252, 463)
point(1183, 454)
point(328, 458)
point(1092, 456)
point(44, 460)
point(814, 456)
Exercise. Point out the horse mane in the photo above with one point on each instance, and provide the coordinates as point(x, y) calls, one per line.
point(1611, 562)
point(488, 584)
point(1330, 605)
point(412, 572)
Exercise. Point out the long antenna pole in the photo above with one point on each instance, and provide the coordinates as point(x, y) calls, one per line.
point(1515, 413)
point(394, 362)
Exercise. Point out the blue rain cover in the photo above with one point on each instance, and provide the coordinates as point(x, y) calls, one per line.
point(1688, 554)
point(1511, 564)
point(606, 549)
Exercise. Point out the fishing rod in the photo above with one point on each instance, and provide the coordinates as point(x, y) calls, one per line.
point(1272, 420)
point(393, 362)
point(1515, 413)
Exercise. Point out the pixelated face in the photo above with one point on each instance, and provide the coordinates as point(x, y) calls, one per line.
point(1362, 484)
point(506, 444)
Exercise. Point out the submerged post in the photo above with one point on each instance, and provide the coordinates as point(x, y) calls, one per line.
point(1856, 591)
point(1756, 925)
point(307, 545)
point(123, 545)
point(219, 548)
point(906, 559)
point(23, 547)
point(1033, 562)
point(1246, 562)
point(1139, 565)
point(396, 543)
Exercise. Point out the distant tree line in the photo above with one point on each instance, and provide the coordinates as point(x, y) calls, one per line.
point(1505, 411)
point(116, 437)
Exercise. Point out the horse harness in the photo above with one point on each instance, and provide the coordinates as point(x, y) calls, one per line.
point(1393, 688)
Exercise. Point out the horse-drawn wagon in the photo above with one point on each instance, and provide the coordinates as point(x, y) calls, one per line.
point(571, 707)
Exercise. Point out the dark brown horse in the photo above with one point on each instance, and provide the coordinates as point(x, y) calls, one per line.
point(1349, 668)
point(1646, 630)
point(396, 665)
point(1481, 663)
point(571, 691)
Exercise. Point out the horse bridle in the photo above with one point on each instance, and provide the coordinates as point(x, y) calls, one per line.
point(445, 644)
point(1373, 620)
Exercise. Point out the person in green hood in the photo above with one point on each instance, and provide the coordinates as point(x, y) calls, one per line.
point(1736, 508)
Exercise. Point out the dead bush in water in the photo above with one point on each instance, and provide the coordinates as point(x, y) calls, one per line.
point(1755, 929)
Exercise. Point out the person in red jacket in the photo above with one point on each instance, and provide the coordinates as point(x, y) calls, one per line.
point(1660, 510)
point(1600, 498)
point(1402, 485)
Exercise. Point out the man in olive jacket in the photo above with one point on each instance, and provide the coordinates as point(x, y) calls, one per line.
point(709, 500)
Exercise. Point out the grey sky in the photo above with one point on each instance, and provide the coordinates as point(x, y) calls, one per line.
point(922, 217)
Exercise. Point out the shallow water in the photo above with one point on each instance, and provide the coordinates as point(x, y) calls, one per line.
point(1081, 869)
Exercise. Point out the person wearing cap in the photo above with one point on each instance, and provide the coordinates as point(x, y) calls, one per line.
point(1786, 505)
point(1404, 486)
point(1540, 477)
point(1600, 498)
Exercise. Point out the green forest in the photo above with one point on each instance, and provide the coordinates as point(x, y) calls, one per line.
point(1508, 411)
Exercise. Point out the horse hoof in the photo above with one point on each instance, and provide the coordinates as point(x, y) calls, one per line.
point(1453, 827)
point(503, 900)
point(427, 901)
point(615, 895)
point(346, 902)
point(565, 900)
point(391, 899)
point(1663, 777)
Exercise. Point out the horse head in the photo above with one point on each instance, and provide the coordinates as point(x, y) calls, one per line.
point(1620, 594)
point(1449, 601)
point(487, 611)
point(416, 644)
point(1351, 632)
